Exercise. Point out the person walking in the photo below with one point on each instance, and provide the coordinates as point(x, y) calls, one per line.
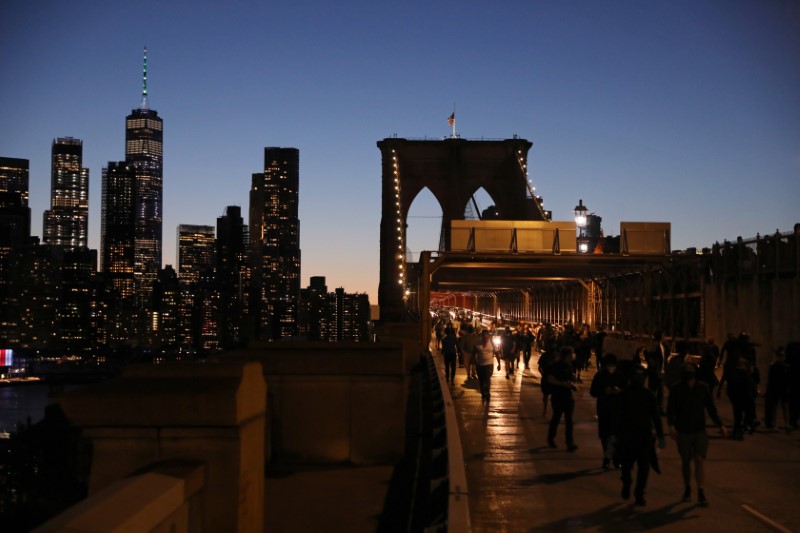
point(639, 416)
point(606, 388)
point(526, 344)
point(741, 392)
point(688, 402)
point(485, 354)
point(507, 345)
point(467, 342)
point(656, 356)
point(777, 393)
point(450, 351)
point(560, 379)
point(583, 351)
point(706, 369)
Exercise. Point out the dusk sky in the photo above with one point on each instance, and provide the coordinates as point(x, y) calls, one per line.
point(687, 111)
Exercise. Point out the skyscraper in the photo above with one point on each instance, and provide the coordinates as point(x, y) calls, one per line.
point(233, 278)
point(195, 251)
point(66, 223)
point(15, 232)
point(118, 227)
point(15, 215)
point(144, 155)
point(14, 177)
point(275, 243)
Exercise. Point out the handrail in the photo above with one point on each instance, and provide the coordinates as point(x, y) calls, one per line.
point(458, 493)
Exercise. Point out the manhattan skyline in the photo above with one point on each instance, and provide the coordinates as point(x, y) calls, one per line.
point(687, 113)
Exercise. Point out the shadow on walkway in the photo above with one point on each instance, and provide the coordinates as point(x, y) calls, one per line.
point(622, 517)
point(550, 479)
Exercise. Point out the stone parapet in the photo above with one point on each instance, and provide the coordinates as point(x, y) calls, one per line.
point(341, 403)
point(165, 498)
point(212, 413)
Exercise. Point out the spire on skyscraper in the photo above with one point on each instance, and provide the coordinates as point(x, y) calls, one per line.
point(144, 81)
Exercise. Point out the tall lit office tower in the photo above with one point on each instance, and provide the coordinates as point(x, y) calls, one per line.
point(15, 232)
point(14, 176)
point(195, 251)
point(275, 243)
point(66, 223)
point(118, 227)
point(144, 155)
point(15, 215)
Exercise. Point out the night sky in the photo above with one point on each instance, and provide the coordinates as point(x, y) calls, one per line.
point(685, 111)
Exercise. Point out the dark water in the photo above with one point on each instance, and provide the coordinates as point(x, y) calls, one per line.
point(19, 403)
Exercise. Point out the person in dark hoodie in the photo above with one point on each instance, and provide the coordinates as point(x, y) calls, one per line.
point(561, 382)
point(639, 416)
point(607, 385)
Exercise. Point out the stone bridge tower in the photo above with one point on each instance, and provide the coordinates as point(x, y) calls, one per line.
point(453, 169)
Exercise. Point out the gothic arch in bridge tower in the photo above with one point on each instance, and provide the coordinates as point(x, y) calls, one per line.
point(478, 202)
point(452, 169)
point(423, 224)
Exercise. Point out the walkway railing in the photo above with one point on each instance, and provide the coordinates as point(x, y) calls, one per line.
point(440, 501)
point(776, 255)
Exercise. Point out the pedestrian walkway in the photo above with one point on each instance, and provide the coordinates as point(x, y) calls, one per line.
point(517, 483)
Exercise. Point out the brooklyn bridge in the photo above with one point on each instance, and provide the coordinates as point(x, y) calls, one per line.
point(363, 437)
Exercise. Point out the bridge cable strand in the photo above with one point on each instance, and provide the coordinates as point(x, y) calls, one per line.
point(529, 184)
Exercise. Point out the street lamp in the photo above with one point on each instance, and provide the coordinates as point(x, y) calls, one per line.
point(580, 221)
point(580, 214)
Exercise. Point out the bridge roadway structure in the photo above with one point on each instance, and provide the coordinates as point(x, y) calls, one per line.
point(516, 483)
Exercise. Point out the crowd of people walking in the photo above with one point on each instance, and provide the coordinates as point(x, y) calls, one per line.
point(635, 392)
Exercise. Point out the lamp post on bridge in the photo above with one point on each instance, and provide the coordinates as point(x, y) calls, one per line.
point(581, 219)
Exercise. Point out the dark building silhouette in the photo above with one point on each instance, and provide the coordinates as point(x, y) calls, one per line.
point(333, 316)
point(15, 215)
point(275, 244)
point(118, 227)
point(14, 176)
point(207, 313)
point(233, 278)
point(167, 311)
point(144, 155)
point(77, 329)
point(66, 223)
point(15, 232)
point(37, 284)
point(314, 321)
point(350, 320)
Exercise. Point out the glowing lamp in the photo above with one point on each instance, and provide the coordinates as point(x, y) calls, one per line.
point(580, 214)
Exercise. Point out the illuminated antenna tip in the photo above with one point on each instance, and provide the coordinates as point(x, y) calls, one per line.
point(144, 80)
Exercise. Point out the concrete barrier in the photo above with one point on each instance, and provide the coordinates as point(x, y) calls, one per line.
point(164, 498)
point(333, 403)
point(210, 413)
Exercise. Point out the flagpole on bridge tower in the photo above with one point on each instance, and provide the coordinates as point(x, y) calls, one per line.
point(451, 121)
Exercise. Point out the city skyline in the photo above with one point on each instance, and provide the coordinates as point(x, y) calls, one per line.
point(685, 113)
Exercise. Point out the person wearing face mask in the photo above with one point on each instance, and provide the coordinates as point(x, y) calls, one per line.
point(688, 402)
point(606, 387)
